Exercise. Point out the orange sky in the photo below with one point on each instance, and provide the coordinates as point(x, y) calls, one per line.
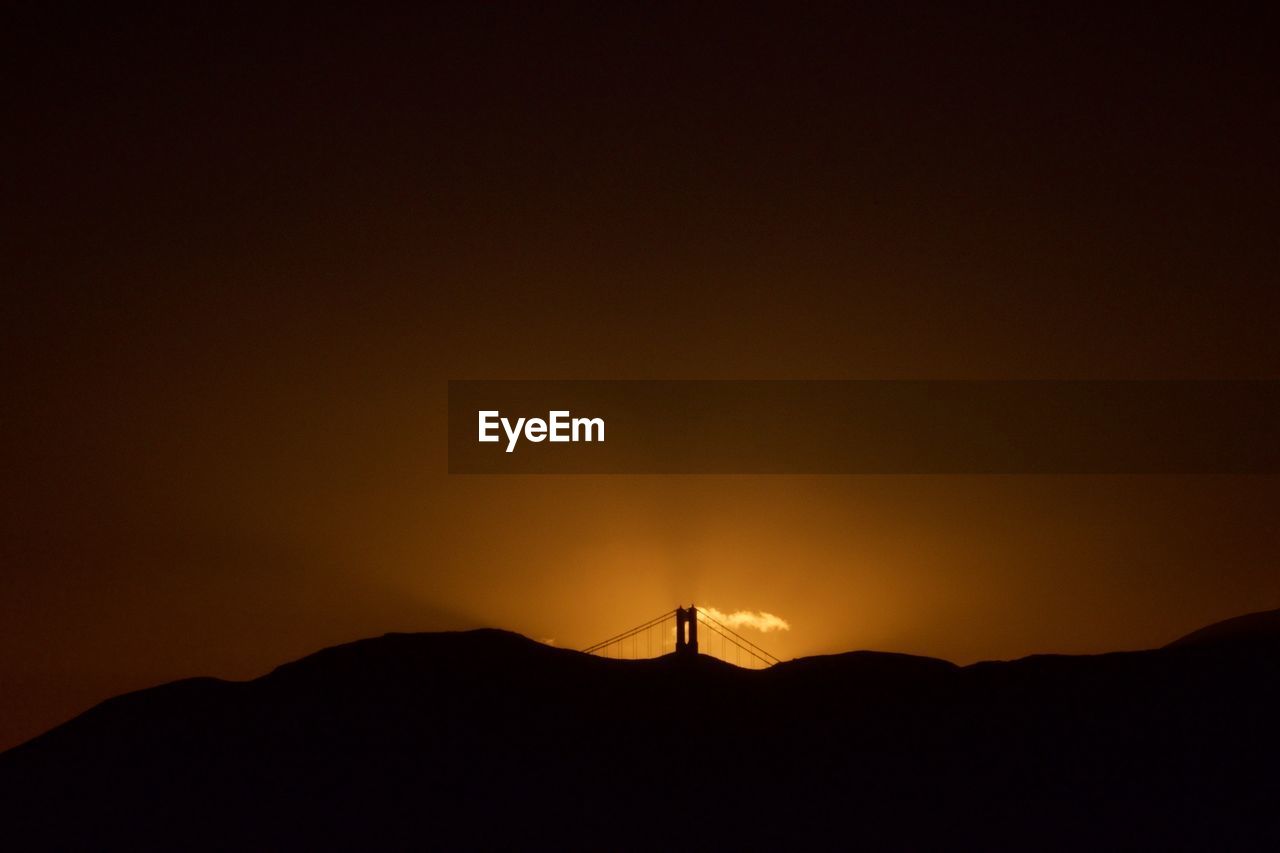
point(247, 257)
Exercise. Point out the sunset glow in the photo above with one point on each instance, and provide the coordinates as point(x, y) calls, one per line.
point(759, 620)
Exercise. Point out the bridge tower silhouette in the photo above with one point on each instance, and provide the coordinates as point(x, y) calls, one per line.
point(687, 630)
point(676, 632)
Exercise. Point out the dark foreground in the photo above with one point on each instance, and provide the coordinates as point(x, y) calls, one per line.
point(486, 739)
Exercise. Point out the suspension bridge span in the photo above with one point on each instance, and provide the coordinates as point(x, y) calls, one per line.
point(677, 632)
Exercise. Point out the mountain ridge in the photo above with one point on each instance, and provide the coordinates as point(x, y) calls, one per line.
point(1260, 624)
point(420, 739)
point(489, 646)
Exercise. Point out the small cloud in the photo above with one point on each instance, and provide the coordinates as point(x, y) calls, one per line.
point(548, 641)
point(760, 620)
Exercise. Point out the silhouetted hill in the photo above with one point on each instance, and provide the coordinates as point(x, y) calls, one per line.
point(1251, 627)
point(486, 739)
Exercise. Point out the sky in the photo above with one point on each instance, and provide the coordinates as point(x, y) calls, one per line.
point(245, 252)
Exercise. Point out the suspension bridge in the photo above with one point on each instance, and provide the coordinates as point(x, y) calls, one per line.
point(676, 632)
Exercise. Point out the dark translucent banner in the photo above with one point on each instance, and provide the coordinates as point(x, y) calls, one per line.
point(863, 427)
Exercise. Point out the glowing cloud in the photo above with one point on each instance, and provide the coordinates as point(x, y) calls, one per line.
point(759, 620)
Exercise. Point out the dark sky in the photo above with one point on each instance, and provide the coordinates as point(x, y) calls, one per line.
point(244, 252)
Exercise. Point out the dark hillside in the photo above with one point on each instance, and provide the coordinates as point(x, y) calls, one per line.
point(487, 739)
